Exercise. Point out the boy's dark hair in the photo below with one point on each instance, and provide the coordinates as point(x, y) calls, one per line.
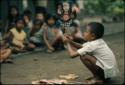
point(19, 18)
point(27, 13)
point(41, 10)
point(97, 28)
point(49, 16)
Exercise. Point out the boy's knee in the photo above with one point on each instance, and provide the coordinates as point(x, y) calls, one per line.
point(85, 57)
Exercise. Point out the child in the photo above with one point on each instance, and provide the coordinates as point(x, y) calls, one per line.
point(66, 15)
point(18, 36)
point(36, 36)
point(95, 53)
point(52, 34)
point(12, 16)
point(40, 14)
point(4, 51)
point(27, 22)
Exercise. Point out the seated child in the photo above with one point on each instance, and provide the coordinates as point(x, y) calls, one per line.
point(5, 52)
point(52, 34)
point(94, 54)
point(27, 22)
point(17, 36)
point(36, 35)
point(40, 14)
point(13, 14)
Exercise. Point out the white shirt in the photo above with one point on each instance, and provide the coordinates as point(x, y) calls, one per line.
point(105, 57)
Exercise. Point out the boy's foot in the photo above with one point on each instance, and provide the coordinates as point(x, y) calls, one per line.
point(94, 81)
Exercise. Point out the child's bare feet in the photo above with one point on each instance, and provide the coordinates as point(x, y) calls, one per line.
point(50, 51)
point(93, 80)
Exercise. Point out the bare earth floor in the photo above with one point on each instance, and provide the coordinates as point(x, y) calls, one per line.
point(39, 65)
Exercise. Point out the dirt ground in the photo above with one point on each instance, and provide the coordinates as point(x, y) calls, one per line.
point(39, 65)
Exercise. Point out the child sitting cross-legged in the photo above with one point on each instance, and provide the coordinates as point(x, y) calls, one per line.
point(52, 34)
point(36, 35)
point(16, 36)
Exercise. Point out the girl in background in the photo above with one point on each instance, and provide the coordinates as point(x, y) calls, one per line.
point(36, 35)
point(13, 14)
point(27, 22)
point(52, 34)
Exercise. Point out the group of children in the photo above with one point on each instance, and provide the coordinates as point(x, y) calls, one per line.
point(23, 34)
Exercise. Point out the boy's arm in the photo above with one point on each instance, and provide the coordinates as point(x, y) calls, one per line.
point(72, 52)
point(76, 45)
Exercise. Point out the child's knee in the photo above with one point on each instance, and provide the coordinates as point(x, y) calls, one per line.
point(83, 58)
point(9, 51)
point(86, 58)
point(32, 46)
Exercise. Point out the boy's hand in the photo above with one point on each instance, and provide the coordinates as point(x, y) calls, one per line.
point(69, 37)
point(65, 39)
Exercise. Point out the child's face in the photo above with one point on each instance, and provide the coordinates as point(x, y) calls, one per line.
point(13, 12)
point(88, 35)
point(20, 24)
point(51, 21)
point(66, 17)
point(40, 16)
point(26, 19)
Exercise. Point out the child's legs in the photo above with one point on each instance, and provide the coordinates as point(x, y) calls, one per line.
point(57, 39)
point(31, 46)
point(18, 44)
point(5, 54)
point(34, 44)
point(16, 49)
point(57, 43)
point(90, 63)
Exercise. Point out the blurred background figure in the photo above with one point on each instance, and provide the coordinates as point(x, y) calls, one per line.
point(13, 13)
